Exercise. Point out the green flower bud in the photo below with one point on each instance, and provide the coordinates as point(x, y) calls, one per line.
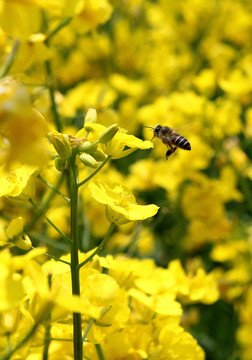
point(88, 160)
point(61, 144)
point(108, 134)
point(60, 163)
point(99, 155)
point(88, 147)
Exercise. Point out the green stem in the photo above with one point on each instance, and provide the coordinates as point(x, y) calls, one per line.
point(47, 338)
point(51, 223)
point(46, 240)
point(87, 329)
point(95, 172)
point(99, 351)
point(99, 247)
point(50, 77)
point(73, 187)
point(43, 206)
point(21, 343)
point(10, 59)
point(53, 188)
point(126, 248)
point(43, 315)
point(58, 28)
point(50, 85)
point(61, 339)
point(57, 259)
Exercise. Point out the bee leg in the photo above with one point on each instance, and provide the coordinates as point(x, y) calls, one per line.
point(170, 151)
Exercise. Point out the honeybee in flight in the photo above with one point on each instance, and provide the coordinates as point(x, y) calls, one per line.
point(170, 138)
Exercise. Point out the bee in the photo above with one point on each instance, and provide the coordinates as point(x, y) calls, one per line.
point(170, 138)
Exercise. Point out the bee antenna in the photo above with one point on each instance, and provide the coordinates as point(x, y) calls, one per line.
point(150, 127)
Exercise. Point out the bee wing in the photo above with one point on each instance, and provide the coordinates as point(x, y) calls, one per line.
point(185, 127)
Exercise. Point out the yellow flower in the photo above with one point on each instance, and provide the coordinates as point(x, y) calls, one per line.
point(126, 271)
point(31, 51)
point(178, 344)
point(97, 94)
point(134, 88)
point(121, 205)
point(203, 287)
point(93, 13)
point(17, 183)
point(115, 147)
point(22, 127)
point(237, 84)
point(20, 19)
point(163, 304)
point(205, 82)
point(11, 286)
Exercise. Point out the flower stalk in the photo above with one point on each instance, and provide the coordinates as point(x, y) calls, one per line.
point(73, 188)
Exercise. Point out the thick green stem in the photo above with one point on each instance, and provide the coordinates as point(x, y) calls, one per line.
point(73, 188)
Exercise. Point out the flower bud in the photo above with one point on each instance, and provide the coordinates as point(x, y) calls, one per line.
point(61, 144)
point(108, 134)
point(60, 164)
point(15, 233)
point(88, 160)
point(23, 242)
point(99, 155)
point(88, 147)
point(91, 116)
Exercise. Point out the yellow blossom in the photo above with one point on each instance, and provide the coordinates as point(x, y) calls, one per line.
point(115, 147)
point(17, 183)
point(22, 127)
point(12, 290)
point(176, 343)
point(120, 203)
point(237, 84)
point(20, 19)
point(93, 14)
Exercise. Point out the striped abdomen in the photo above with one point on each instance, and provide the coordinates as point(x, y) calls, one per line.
point(180, 141)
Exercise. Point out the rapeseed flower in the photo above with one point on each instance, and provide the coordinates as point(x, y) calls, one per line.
point(23, 128)
point(121, 205)
point(17, 183)
point(116, 147)
point(11, 283)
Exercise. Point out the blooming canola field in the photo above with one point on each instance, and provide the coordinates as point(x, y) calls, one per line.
point(114, 246)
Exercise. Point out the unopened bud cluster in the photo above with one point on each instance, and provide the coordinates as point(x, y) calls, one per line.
point(89, 154)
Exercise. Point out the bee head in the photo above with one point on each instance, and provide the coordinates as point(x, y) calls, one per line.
point(156, 129)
